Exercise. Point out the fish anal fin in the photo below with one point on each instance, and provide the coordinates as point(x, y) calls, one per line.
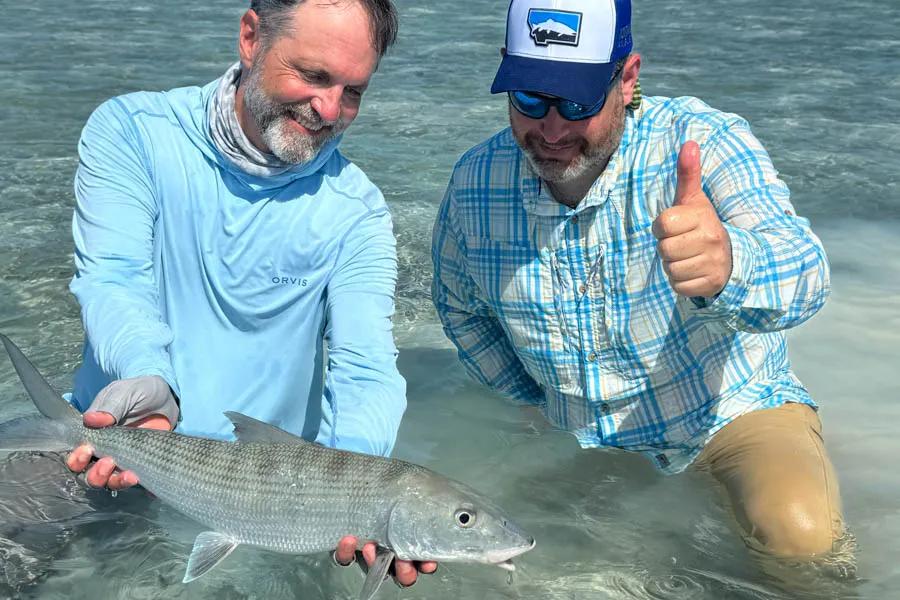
point(210, 548)
point(377, 573)
point(248, 429)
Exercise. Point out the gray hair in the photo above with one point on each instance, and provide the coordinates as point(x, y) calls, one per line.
point(275, 18)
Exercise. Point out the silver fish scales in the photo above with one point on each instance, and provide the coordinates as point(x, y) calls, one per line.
point(291, 497)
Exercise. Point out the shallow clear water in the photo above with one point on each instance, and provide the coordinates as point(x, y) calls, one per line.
point(817, 79)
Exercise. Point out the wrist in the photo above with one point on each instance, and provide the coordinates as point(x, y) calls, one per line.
point(729, 300)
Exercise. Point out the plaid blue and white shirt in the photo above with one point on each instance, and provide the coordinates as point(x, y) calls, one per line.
point(570, 309)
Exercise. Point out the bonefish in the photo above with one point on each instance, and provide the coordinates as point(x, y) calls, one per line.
point(277, 491)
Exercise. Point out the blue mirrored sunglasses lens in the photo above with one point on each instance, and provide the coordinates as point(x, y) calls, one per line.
point(536, 107)
point(532, 106)
point(576, 112)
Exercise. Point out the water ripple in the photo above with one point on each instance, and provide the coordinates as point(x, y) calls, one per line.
point(19, 567)
point(673, 587)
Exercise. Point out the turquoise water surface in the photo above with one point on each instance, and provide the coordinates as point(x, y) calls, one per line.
point(818, 80)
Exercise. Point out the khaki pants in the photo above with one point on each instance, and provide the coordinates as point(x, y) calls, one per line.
point(782, 486)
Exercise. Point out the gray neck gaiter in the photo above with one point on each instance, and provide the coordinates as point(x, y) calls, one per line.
point(228, 136)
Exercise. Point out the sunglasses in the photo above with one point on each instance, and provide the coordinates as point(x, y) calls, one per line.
point(536, 106)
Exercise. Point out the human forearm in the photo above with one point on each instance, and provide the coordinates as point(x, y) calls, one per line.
point(365, 395)
point(113, 231)
point(363, 405)
point(780, 274)
point(780, 278)
point(487, 355)
point(125, 332)
point(482, 345)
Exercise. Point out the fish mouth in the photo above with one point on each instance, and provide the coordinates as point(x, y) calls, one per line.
point(506, 565)
point(503, 558)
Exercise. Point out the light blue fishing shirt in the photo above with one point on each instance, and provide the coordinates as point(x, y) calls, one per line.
point(571, 310)
point(227, 284)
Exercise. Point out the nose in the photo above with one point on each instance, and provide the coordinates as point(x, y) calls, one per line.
point(327, 103)
point(553, 127)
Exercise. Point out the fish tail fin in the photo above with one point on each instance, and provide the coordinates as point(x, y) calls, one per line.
point(45, 398)
point(35, 433)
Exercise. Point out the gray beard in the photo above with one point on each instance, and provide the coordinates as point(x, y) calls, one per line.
point(229, 138)
point(593, 157)
point(273, 120)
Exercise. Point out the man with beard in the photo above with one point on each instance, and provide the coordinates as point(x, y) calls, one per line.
point(629, 265)
point(230, 258)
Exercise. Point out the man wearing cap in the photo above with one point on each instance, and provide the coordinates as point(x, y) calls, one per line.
point(629, 265)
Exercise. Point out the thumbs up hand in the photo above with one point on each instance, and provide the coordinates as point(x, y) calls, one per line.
point(692, 243)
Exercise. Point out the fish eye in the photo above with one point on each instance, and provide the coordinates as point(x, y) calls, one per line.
point(464, 517)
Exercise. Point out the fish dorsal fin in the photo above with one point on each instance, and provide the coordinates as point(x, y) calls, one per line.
point(377, 573)
point(248, 429)
point(210, 548)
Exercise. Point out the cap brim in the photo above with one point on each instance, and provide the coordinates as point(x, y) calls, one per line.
point(584, 83)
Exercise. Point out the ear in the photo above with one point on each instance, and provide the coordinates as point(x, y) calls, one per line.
point(630, 73)
point(249, 40)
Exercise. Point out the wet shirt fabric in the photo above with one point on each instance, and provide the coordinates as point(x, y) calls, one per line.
point(571, 310)
point(270, 296)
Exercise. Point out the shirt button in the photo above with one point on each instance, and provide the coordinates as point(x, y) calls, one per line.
point(604, 408)
point(592, 357)
point(574, 219)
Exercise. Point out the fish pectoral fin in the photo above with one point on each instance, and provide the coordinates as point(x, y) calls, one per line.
point(377, 573)
point(210, 548)
point(248, 429)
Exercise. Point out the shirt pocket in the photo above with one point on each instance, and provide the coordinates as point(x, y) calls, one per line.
point(519, 289)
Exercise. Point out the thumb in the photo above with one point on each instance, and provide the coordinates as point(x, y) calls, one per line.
point(96, 419)
point(688, 188)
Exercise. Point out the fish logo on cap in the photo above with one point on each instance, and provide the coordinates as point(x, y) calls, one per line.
point(550, 26)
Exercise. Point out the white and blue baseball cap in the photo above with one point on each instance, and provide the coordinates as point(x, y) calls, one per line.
point(564, 48)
